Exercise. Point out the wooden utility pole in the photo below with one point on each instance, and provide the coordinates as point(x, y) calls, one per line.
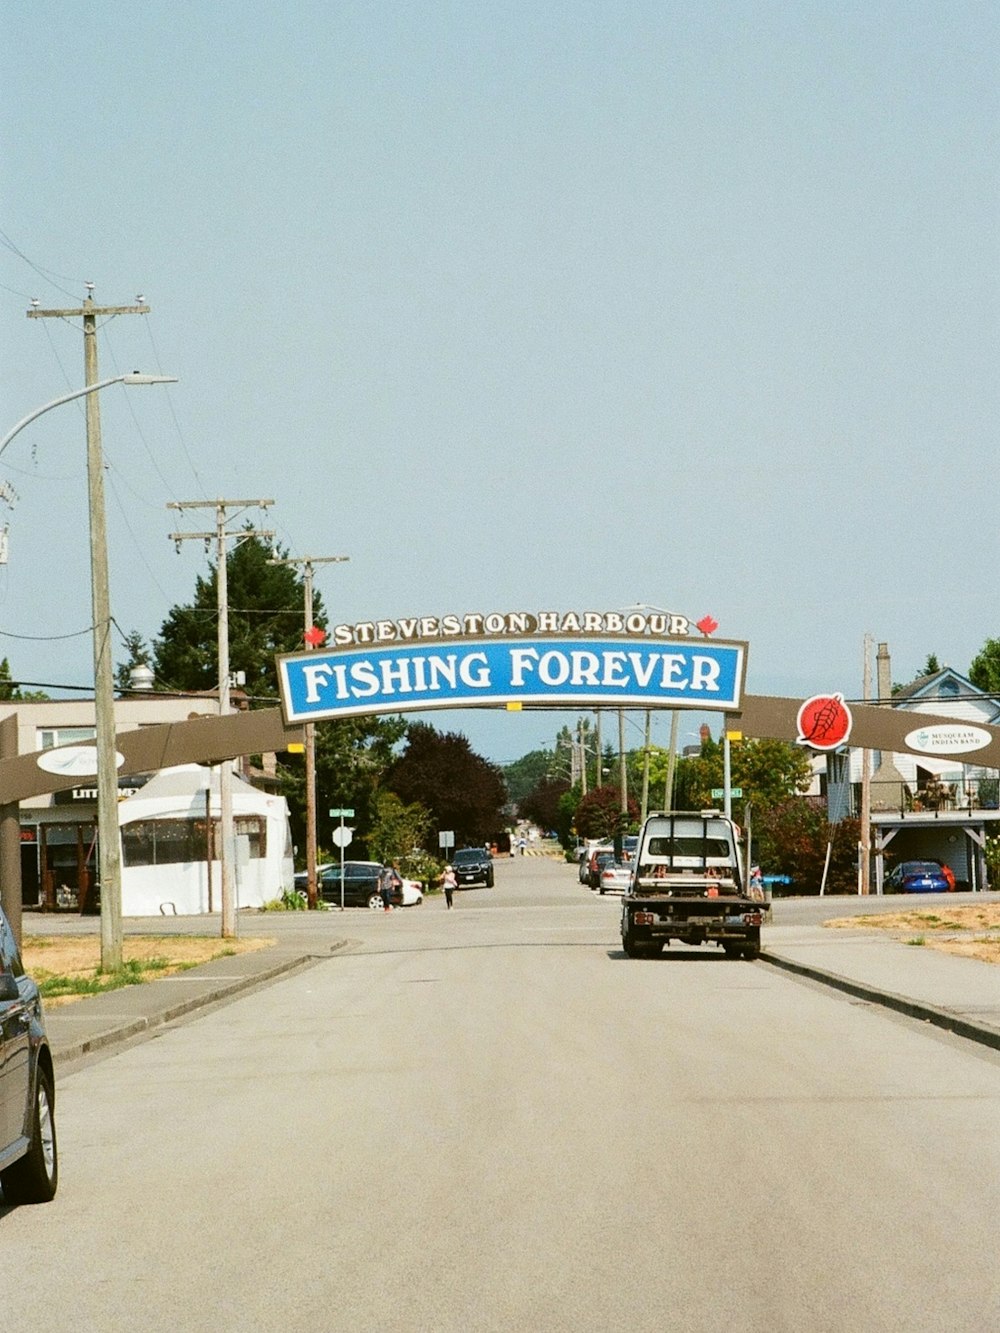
point(645, 769)
point(227, 858)
point(109, 843)
point(622, 775)
point(865, 838)
point(307, 562)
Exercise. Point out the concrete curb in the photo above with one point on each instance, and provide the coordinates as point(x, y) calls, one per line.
point(925, 1013)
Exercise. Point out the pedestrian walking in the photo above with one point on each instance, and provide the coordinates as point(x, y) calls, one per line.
point(448, 881)
point(388, 880)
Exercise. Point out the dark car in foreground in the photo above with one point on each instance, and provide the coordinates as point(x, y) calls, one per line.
point(917, 877)
point(29, 1169)
point(473, 865)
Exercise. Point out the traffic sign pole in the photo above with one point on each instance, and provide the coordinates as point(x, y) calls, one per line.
point(349, 813)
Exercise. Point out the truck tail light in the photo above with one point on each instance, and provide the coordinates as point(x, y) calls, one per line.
point(752, 919)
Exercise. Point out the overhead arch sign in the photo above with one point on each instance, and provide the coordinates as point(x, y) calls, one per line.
point(587, 660)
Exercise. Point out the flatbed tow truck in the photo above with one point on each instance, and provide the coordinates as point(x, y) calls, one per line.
point(688, 886)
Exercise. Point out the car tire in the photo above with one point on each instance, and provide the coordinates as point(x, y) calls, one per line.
point(375, 903)
point(489, 882)
point(35, 1177)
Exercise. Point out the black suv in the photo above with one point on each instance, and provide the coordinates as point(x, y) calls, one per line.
point(473, 865)
point(28, 1165)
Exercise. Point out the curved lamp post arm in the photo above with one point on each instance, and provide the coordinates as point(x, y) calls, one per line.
point(133, 377)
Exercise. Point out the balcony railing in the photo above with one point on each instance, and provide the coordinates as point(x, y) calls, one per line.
point(931, 798)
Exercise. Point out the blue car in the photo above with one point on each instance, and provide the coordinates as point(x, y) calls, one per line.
point(917, 877)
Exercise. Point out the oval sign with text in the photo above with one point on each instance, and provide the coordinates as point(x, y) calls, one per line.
point(73, 761)
point(959, 739)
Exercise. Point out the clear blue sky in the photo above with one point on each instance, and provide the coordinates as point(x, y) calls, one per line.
point(521, 306)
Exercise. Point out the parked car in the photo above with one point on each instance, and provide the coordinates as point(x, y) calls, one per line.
point(29, 1170)
point(616, 876)
point(587, 859)
point(301, 879)
point(917, 877)
point(473, 865)
point(598, 861)
point(361, 886)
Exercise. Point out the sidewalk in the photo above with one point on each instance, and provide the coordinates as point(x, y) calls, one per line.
point(119, 1016)
point(961, 995)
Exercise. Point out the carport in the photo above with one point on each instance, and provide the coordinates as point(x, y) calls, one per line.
point(955, 837)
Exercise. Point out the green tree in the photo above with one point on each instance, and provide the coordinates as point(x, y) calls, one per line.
point(352, 755)
point(541, 805)
point(770, 771)
point(791, 838)
point(767, 772)
point(566, 817)
point(397, 829)
point(599, 813)
point(985, 669)
point(464, 793)
point(139, 654)
point(525, 774)
point(266, 617)
point(10, 689)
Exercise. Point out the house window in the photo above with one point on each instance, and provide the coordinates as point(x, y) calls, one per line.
point(50, 737)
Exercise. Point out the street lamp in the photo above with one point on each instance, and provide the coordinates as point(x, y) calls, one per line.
point(133, 377)
point(104, 686)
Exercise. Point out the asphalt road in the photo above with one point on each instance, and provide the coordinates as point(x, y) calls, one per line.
point(489, 1119)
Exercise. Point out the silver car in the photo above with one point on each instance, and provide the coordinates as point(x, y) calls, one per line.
point(615, 877)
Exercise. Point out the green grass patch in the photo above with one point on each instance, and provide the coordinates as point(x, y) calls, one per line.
point(917, 940)
point(133, 972)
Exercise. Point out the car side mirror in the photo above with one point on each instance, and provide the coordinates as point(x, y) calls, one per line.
point(8, 987)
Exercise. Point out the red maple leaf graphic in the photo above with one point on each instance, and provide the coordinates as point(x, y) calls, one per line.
point(707, 625)
point(315, 637)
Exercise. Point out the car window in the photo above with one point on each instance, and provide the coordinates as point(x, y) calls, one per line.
point(681, 846)
point(10, 959)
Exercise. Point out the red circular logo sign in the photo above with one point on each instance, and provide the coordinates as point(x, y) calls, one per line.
point(824, 722)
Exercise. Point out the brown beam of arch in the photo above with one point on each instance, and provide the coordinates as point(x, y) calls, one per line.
point(875, 727)
point(202, 740)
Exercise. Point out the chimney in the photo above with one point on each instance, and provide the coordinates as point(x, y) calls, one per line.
point(883, 672)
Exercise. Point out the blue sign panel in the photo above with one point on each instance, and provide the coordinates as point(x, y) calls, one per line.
point(562, 672)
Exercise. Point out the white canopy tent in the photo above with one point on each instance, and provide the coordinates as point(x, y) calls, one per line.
point(167, 828)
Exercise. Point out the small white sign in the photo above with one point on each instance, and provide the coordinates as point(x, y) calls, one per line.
point(73, 761)
point(342, 835)
point(959, 739)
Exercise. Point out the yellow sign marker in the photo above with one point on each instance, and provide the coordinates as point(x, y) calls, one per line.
point(514, 706)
